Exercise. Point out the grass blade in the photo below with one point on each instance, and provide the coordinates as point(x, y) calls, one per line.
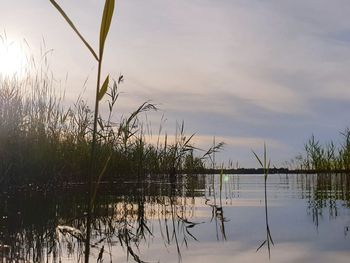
point(262, 244)
point(103, 89)
point(106, 23)
point(257, 157)
point(65, 16)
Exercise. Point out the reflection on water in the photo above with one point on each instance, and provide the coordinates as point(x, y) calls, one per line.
point(187, 218)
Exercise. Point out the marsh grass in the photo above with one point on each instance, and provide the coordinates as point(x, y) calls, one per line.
point(327, 157)
point(45, 141)
point(42, 141)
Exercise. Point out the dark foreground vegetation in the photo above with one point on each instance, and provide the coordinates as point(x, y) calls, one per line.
point(122, 217)
point(41, 141)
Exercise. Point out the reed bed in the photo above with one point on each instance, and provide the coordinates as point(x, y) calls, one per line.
point(326, 157)
point(41, 141)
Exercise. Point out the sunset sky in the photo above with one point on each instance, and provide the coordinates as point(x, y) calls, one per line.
point(245, 71)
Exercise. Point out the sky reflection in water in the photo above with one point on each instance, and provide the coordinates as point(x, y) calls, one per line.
point(309, 217)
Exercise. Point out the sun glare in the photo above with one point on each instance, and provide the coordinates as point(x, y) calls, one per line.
point(12, 59)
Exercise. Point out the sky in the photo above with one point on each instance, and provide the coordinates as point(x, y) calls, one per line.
point(246, 72)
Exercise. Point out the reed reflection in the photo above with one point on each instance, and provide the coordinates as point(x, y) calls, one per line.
point(57, 229)
point(266, 166)
point(217, 209)
point(326, 193)
point(49, 226)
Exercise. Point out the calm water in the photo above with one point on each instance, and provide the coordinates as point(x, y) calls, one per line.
point(187, 219)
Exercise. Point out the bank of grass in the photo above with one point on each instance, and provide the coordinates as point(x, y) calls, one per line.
point(42, 141)
point(327, 157)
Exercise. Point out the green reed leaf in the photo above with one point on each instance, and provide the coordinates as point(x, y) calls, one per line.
point(106, 23)
point(257, 157)
point(103, 89)
point(65, 16)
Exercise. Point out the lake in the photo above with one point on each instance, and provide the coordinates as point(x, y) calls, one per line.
point(194, 218)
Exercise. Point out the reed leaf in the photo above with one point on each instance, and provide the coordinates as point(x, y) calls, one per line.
point(106, 23)
point(69, 21)
point(103, 89)
point(257, 157)
point(262, 244)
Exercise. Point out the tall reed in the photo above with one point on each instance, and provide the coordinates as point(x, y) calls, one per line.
point(265, 165)
point(100, 92)
point(327, 157)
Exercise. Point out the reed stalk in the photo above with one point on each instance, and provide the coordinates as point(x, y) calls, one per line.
point(100, 92)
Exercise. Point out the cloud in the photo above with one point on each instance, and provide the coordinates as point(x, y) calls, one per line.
point(261, 52)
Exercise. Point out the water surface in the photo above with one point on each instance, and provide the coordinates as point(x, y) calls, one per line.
point(306, 219)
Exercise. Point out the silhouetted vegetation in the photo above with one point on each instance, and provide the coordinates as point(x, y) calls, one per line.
point(43, 142)
point(123, 216)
